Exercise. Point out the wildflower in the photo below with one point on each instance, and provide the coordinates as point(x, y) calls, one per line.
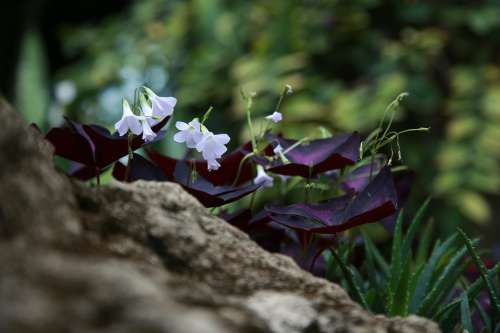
point(275, 117)
point(229, 172)
point(147, 133)
point(161, 106)
point(212, 146)
point(129, 121)
point(263, 178)
point(189, 133)
point(278, 150)
point(213, 165)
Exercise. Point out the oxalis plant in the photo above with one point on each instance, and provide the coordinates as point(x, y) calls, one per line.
point(317, 194)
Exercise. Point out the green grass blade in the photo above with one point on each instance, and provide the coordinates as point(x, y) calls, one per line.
point(351, 282)
point(395, 269)
point(484, 316)
point(465, 315)
point(472, 292)
point(448, 276)
point(424, 243)
point(412, 230)
point(424, 281)
point(402, 295)
point(413, 283)
point(398, 301)
point(375, 253)
point(495, 304)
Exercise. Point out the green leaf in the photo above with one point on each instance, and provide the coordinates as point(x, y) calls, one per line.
point(395, 270)
point(484, 316)
point(448, 276)
point(401, 264)
point(413, 282)
point(424, 280)
point(351, 281)
point(372, 250)
point(465, 314)
point(402, 295)
point(424, 243)
point(495, 304)
point(472, 291)
point(412, 230)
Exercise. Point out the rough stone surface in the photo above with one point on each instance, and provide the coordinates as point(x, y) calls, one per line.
point(144, 257)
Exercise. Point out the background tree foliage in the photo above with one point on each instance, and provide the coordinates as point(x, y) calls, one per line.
point(346, 60)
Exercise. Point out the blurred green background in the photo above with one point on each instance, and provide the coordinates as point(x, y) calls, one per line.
point(346, 61)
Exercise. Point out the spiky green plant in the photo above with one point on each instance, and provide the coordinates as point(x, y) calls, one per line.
point(418, 281)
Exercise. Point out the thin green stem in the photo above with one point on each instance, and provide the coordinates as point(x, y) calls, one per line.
point(240, 167)
point(252, 200)
point(206, 115)
point(130, 157)
point(249, 101)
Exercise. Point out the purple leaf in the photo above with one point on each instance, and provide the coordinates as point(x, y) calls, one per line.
point(140, 168)
point(208, 194)
point(309, 257)
point(225, 175)
point(317, 156)
point(93, 146)
point(377, 201)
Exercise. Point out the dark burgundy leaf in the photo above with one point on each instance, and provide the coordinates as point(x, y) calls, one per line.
point(83, 172)
point(309, 257)
point(140, 168)
point(317, 156)
point(377, 201)
point(240, 218)
point(359, 178)
point(209, 194)
point(225, 175)
point(92, 145)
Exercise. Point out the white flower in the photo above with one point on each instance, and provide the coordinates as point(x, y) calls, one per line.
point(195, 135)
point(213, 165)
point(275, 117)
point(189, 133)
point(212, 146)
point(263, 178)
point(278, 150)
point(129, 121)
point(147, 133)
point(161, 106)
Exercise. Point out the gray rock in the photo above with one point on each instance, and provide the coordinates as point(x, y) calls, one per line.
point(145, 257)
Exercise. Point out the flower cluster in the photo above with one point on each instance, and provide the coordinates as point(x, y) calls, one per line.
point(196, 135)
point(357, 190)
point(153, 109)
